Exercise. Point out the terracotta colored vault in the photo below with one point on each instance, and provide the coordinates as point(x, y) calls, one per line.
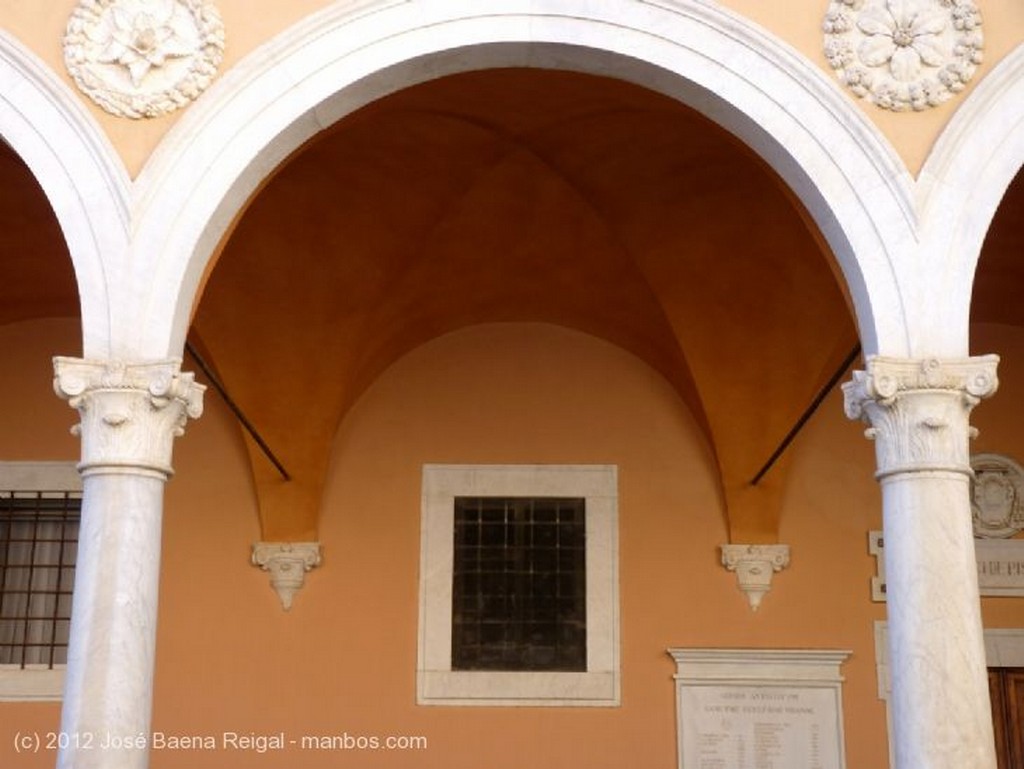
point(504, 196)
point(523, 195)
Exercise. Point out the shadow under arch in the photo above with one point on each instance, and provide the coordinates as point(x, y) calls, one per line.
point(81, 175)
point(326, 67)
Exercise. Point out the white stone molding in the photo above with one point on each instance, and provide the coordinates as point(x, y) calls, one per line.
point(918, 410)
point(143, 58)
point(960, 187)
point(996, 489)
point(131, 412)
point(287, 564)
point(57, 137)
point(31, 683)
point(876, 547)
point(40, 476)
point(755, 566)
point(41, 683)
point(703, 54)
point(904, 54)
point(884, 682)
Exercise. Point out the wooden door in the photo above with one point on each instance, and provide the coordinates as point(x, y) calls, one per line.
point(1006, 687)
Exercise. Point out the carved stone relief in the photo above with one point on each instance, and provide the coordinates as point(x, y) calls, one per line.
point(754, 566)
point(287, 564)
point(918, 410)
point(130, 412)
point(903, 54)
point(996, 506)
point(143, 58)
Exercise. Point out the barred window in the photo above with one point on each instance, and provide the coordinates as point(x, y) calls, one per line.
point(519, 584)
point(38, 547)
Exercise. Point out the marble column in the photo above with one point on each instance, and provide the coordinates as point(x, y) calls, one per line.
point(130, 414)
point(918, 413)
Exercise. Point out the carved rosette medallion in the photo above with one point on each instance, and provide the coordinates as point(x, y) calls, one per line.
point(143, 58)
point(918, 410)
point(996, 490)
point(130, 412)
point(903, 54)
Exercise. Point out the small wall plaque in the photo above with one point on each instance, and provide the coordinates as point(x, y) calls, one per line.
point(759, 708)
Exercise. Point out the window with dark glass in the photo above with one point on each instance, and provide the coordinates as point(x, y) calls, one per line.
point(38, 547)
point(519, 584)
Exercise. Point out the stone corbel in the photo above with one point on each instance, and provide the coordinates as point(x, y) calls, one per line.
point(287, 563)
point(754, 566)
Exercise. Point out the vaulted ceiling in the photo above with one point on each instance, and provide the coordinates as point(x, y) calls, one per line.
point(511, 195)
point(524, 195)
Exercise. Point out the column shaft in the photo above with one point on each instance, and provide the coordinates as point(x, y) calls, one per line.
point(109, 687)
point(941, 713)
point(130, 414)
point(919, 415)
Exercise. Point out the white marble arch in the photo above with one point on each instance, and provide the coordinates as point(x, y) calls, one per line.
point(46, 124)
point(352, 53)
point(961, 185)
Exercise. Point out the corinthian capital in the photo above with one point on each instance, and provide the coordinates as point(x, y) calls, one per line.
point(919, 410)
point(130, 412)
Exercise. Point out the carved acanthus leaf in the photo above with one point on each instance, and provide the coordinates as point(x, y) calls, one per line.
point(130, 412)
point(918, 410)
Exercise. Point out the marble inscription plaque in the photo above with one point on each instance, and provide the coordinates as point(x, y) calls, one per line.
point(759, 708)
point(1000, 566)
point(758, 727)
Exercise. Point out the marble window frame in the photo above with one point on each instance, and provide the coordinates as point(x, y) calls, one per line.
point(39, 683)
point(436, 682)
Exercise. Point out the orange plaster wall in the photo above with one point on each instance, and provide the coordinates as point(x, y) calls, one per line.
point(34, 423)
point(343, 660)
point(34, 426)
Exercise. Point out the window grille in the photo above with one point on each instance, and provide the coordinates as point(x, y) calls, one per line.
point(519, 584)
point(38, 549)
